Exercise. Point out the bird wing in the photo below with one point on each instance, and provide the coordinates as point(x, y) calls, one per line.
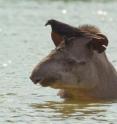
point(56, 38)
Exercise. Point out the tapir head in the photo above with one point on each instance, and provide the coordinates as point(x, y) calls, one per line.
point(71, 63)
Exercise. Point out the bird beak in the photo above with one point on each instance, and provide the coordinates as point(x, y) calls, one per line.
point(47, 23)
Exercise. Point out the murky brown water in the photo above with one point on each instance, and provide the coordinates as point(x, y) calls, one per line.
point(24, 41)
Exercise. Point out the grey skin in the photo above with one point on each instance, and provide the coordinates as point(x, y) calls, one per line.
point(78, 70)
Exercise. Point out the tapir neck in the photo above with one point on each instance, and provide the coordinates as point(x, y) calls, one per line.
point(107, 83)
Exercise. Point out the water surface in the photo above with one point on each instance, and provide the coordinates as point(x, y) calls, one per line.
point(24, 41)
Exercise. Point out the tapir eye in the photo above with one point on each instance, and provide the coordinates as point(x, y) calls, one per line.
point(82, 63)
point(74, 62)
point(71, 61)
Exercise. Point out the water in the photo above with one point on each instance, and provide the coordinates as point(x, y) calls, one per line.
point(24, 41)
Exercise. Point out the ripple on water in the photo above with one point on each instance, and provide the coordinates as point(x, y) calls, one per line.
point(24, 41)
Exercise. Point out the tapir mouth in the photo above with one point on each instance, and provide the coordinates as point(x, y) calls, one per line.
point(46, 82)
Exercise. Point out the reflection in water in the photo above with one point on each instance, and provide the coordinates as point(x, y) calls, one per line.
point(74, 109)
point(24, 41)
point(78, 0)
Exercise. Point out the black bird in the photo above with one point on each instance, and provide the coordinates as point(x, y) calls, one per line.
point(63, 29)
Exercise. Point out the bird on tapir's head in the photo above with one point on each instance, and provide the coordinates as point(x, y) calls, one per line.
point(60, 31)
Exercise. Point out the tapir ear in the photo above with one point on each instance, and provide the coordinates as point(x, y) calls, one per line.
point(57, 39)
point(99, 42)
